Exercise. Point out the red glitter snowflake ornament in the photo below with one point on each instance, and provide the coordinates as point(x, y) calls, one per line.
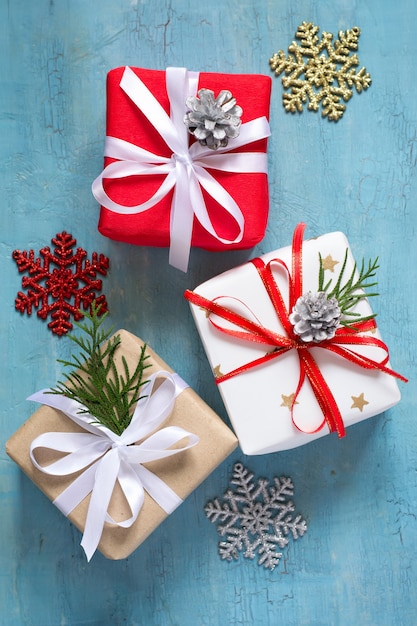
point(64, 289)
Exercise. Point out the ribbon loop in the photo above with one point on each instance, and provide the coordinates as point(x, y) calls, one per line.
point(186, 169)
point(105, 458)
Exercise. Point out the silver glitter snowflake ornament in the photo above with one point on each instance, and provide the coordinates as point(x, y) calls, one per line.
point(213, 121)
point(315, 316)
point(256, 518)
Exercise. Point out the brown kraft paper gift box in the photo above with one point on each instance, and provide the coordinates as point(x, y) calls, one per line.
point(182, 472)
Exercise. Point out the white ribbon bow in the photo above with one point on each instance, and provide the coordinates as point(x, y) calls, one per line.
point(186, 169)
point(106, 457)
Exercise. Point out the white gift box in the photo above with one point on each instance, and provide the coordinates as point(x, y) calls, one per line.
point(258, 401)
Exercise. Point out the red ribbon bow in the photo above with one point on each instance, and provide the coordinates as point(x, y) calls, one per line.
point(341, 344)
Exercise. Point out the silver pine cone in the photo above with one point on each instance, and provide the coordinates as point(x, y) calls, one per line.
point(315, 317)
point(213, 121)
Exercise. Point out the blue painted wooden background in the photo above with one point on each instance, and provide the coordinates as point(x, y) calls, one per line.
point(357, 563)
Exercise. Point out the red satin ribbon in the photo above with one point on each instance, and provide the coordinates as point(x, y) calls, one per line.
point(341, 344)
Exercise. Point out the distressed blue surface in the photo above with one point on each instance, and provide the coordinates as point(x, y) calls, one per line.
point(357, 563)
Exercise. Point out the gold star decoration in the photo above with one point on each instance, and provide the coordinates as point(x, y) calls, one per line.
point(217, 371)
point(288, 401)
point(359, 402)
point(328, 263)
point(320, 72)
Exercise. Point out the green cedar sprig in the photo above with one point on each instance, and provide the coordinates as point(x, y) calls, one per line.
point(96, 383)
point(351, 292)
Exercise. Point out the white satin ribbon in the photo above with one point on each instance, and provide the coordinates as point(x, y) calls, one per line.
point(106, 457)
point(186, 169)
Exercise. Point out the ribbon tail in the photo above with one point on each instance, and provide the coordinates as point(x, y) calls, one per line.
point(222, 197)
point(294, 402)
point(105, 479)
point(133, 491)
point(182, 219)
point(323, 394)
point(75, 493)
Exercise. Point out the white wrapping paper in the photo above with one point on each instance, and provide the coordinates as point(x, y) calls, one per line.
point(257, 401)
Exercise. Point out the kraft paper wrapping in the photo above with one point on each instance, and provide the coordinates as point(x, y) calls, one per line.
point(182, 472)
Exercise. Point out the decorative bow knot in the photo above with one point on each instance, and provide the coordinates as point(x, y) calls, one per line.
point(186, 169)
point(104, 457)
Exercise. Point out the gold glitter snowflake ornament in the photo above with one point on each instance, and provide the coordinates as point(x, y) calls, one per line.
point(320, 71)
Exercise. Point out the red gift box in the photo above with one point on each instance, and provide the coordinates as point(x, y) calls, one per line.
point(245, 183)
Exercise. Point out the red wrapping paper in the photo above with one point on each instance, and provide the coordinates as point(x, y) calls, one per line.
point(152, 227)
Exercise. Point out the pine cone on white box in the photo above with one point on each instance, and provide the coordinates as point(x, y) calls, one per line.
point(315, 316)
